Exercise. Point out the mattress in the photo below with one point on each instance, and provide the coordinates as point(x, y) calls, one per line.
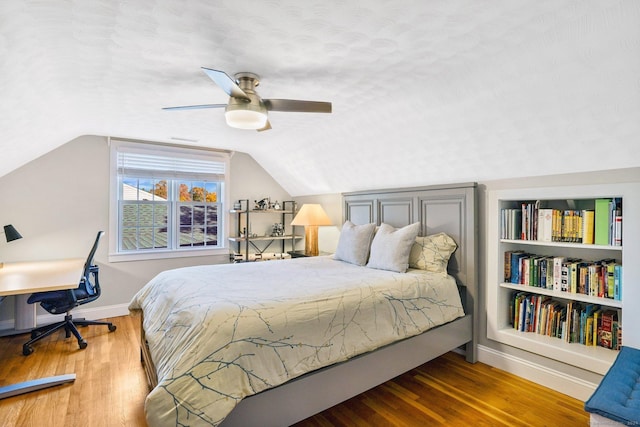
point(217, 334)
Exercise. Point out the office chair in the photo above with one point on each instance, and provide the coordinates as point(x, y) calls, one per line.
point(57, 302)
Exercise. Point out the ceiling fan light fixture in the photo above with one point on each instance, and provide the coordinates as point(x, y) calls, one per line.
point(246, 116)
point(245, 109)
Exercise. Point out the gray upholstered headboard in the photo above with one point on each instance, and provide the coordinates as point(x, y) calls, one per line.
point(443, 208)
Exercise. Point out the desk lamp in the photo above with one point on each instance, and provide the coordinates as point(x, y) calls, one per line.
point(311, 216)
point(11, 234)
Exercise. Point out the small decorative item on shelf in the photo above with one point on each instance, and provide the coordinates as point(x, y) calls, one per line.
point(262, 205)
point(237, 206)
point(276, 206)
point(277, 230)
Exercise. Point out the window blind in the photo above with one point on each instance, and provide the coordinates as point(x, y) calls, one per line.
point(178, 163)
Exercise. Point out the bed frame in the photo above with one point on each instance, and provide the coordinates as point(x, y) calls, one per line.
point(445, 208)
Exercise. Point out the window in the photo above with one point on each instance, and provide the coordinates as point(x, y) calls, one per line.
point(166, 201)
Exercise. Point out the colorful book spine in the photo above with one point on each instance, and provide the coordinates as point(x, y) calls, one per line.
point(588, 224)
point(557, 272)
point(617, 282)
point(601, 221)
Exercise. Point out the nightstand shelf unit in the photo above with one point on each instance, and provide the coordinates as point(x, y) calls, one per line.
point(500, 325)
point(302, 254)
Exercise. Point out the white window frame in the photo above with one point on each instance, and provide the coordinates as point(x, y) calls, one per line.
point(115, 255)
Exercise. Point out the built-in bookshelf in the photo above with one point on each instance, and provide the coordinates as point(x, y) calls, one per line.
point(561, 263)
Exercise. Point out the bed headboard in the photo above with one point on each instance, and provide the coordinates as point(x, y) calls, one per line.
point(442, 208)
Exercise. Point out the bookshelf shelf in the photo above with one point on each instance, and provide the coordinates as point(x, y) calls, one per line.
point(595, 359)
point(500, 292)
point(563, 295)
point(562, 245)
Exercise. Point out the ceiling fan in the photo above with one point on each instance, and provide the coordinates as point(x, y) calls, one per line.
point(245, 109)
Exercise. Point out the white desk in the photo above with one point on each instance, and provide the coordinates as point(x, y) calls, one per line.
point(24, 278)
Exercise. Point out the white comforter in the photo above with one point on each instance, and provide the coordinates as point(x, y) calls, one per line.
point(220, 333)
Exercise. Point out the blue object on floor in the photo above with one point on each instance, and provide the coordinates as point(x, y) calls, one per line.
point(618, 395)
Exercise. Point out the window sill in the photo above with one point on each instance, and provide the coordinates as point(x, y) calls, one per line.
point(137, 256)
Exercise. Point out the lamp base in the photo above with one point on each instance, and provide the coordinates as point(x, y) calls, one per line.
point(311, 240)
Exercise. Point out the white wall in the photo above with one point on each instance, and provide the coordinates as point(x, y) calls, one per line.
point(60, 201)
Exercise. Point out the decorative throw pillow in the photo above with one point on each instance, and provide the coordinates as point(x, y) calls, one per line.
point(391, 247)
point(354, 243)
point(432, 253)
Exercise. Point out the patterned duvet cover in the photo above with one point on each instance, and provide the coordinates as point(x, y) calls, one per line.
point(219, 333)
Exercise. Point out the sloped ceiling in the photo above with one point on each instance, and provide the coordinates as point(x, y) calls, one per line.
point(423, 92)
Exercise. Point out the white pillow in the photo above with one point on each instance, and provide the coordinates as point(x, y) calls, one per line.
point(391, 247)
point(354, 243)
point(432, 253)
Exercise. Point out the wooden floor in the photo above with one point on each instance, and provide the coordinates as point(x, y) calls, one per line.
point(110, 389)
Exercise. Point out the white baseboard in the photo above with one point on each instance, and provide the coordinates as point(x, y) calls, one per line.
point(556, 380)
point(90, 313)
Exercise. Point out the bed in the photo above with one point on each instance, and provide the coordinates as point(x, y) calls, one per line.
point(272, 343)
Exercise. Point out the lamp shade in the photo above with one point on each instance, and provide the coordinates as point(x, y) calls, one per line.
point(11, 233)
point(311, 214)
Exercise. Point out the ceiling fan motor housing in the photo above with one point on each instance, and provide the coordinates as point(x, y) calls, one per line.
point(249, 112)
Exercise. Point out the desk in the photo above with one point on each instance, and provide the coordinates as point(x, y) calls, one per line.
point(24, 278)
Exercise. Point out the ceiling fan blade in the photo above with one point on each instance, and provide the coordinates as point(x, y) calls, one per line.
point(267, 126)
point(196, 107)
point(227, 84)
point(292, 105)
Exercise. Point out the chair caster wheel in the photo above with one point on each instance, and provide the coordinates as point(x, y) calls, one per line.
point(82, 344)
point(26, 350)
point(112, 328)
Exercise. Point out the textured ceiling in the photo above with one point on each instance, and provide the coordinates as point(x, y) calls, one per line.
point(423, 92)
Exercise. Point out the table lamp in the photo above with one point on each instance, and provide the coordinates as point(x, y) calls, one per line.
point(311, 216)
point(11, 234)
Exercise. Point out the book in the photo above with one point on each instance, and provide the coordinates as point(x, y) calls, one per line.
point(565, 276)
point(588, 224)
point(610, 281)
point(516, 266)
point(617, 332)
point(550, 272)
point(513, 223)
point(543, 265)
point(617, 222)
point(596, 326)
point(556, 234)
point(557, 272)
point(582, 275)
point(605, 339)
point(545, 225)
point(601, 221)
point(573, 276)
point(617, 282)
point(524, 272)
point(508, 263)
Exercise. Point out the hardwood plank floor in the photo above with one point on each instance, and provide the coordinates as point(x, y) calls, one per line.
point(110, 389)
